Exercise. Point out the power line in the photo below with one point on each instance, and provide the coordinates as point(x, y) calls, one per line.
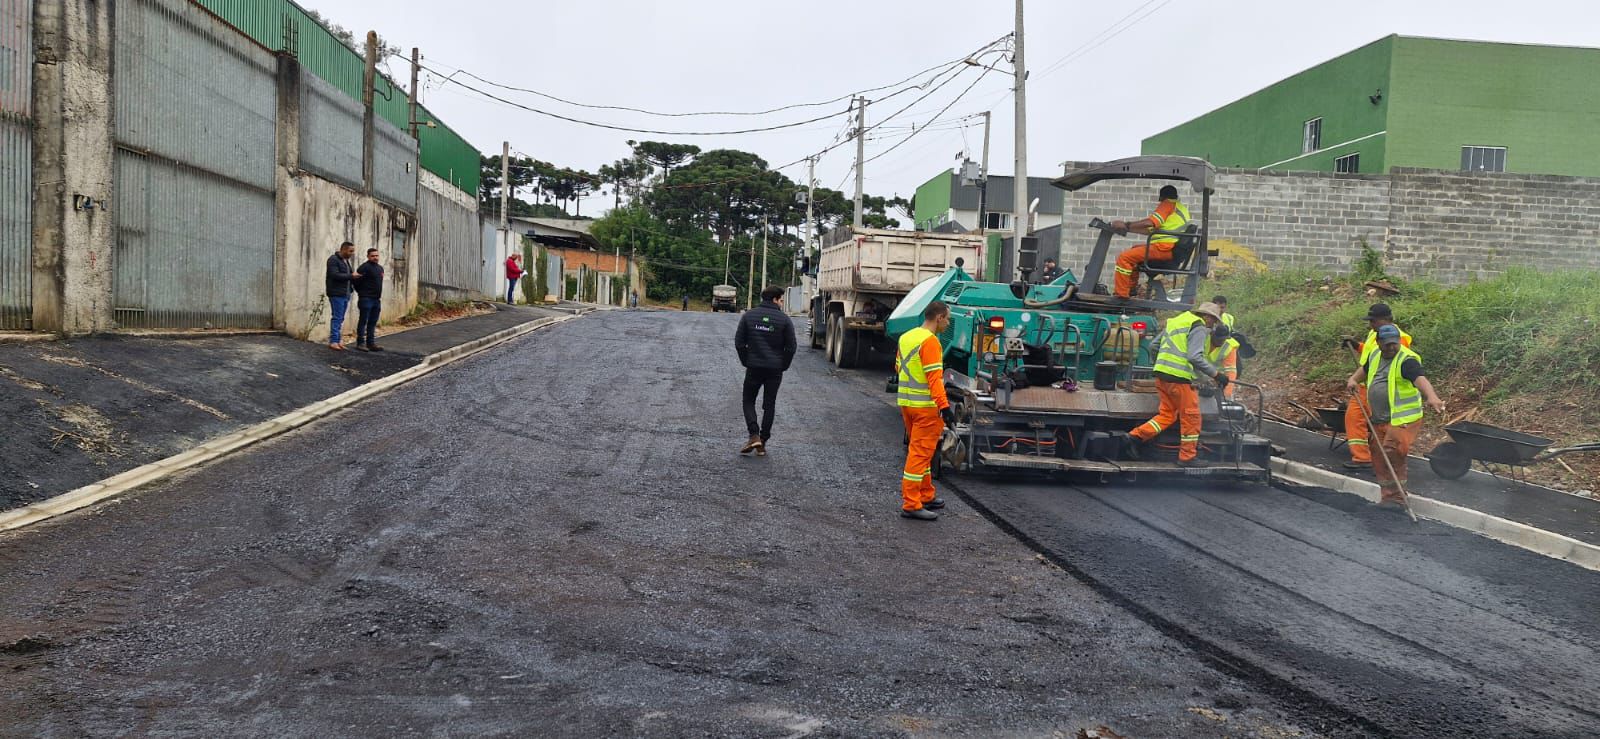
point(1105, 35)
point(931, 120)
point(957, 67)
point(819, 103)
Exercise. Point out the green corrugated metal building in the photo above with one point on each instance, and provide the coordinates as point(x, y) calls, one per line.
point(1404, 101)
point(281, 24)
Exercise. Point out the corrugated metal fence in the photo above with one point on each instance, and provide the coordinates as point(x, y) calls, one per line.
point(449, 245)
point(330, 131)
point(16, 163)
point(196, 108)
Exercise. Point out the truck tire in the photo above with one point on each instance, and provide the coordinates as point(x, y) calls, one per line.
point(850, 348)
point(834, 327)
point(818, 327)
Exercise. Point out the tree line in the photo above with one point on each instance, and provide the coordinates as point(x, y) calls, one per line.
point(695, 216)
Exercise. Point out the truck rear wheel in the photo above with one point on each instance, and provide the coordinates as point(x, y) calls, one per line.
point(835, 326)
point(850, 342)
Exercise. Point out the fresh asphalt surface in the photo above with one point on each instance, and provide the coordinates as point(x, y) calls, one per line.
point(556, 537)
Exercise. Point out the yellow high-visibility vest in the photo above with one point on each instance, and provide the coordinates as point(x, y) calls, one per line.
point(1173, 357)
point(912, 374)
point(1173, 222)
point(1405, 400)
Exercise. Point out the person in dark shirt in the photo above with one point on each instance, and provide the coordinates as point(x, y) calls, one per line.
point(1050, 273)
point(341, 273)
point(369, 302)
point(766, 344)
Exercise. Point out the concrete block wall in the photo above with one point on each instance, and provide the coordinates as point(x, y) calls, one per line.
point(1447, 226)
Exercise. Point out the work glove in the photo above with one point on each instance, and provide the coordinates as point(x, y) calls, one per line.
point(1222, 381)
point(948, 415)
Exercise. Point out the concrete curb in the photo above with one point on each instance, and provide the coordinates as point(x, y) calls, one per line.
point(1506, 531)
point(225, 445)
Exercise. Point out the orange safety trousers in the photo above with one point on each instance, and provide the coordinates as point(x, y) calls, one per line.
point(1129, 260)
point(1355, 427)
point(924, 426)
point(1393, 442)
point(1179, 402)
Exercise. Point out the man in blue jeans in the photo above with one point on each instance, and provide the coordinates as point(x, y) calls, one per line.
point(341, 274)
point(369, 302)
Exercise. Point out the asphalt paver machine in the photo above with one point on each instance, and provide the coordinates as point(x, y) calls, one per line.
point(1047, 377)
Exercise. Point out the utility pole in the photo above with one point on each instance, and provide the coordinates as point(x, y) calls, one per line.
point(811, 193)
point(765, 232)
point(1019, 205)
point(369, 79)
point(750, 284)
point(505, 184)
point(416, 59)
point(983, 179)
point(861, 150)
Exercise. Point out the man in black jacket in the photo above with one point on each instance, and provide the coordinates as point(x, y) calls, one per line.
point(369, 302)
point(341, 275)
point(766, 345)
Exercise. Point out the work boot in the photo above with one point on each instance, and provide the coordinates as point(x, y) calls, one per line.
point(921, 514)
point(752, 444)
point(933, 505)
point(1191, 463)
point(1354, 465)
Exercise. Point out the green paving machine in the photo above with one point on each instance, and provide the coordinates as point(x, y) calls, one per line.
point(1050, 377)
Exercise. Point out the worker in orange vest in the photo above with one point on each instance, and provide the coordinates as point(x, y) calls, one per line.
point(1170, 215)
point(919, 372)
point(1355, 418)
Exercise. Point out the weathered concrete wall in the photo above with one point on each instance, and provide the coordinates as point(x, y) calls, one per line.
point(318, 216)
point(1448, 226)
point(73, 230)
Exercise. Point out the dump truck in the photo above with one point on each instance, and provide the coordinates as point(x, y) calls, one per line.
point(725, 298)
point(865, 273)
point(1051, 378)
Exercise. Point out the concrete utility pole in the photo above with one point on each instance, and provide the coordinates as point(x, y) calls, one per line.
point(764, 233)
point(416, 59)
point(369, 80)
point(861, 150)
point(1019, 205)
point(983, 179)
point(505, 185)
point(811, 197)
point(750, 284)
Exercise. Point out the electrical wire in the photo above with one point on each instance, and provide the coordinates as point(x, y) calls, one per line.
point(982, 49)
point(957, 68)
point(941, 112)
point(1110, 32)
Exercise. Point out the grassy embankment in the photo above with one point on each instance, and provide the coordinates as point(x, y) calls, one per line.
point(1518, 351)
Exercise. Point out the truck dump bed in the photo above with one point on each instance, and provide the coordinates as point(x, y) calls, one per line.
point(879, 260)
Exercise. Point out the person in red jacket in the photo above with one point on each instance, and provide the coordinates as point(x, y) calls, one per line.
point(513, 273)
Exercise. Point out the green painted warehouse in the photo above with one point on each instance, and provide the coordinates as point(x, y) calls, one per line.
point(1403, 101)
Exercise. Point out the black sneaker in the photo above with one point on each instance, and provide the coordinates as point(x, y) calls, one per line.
point(934, 505)
point(1191, 463)
point(921, 514)
point(1354, 465)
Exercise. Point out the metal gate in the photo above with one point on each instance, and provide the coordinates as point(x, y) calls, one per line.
point(16, 164)
point(196, 108)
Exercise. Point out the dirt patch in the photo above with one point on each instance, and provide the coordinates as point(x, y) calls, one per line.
point(428, 314)
point(90, 431)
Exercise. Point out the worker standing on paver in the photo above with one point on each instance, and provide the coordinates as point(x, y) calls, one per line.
point(1396, 390)
point(919, 372)
point(1181, 360)
point(1170, 215)
point(1355, 423)
point(1222, 351)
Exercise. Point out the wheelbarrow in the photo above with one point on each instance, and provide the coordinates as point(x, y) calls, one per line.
point(1330, 420)
point(1492, 448)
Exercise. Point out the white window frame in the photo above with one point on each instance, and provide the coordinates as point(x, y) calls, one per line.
point(1004, 221)
point(1354, 157)
point(1472, 151)
point(1311, 135)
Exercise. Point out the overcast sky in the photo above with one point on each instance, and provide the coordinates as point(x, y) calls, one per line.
point(746, 55)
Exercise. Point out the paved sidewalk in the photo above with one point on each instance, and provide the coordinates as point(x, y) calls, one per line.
point(1540, 507)
point(73, 412)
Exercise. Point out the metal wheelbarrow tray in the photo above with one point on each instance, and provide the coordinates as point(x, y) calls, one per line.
point(1491, 445)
